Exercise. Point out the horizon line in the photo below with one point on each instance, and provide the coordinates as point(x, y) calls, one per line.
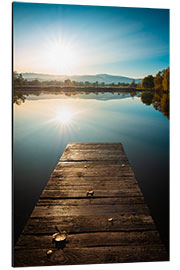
point(95, 74)
point(126, 76)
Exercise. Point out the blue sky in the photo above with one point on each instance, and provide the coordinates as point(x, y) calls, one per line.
point(70, 39)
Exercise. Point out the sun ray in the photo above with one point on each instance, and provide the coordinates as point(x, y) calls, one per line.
point(62, 55)
point(64, 115)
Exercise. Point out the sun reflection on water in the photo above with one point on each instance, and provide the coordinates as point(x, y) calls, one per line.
point(65, 116)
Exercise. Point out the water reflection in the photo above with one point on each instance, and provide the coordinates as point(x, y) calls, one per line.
point(46, 122)
point(73, 94)
point(159, 100)
point(18, 98)
point(64, 115)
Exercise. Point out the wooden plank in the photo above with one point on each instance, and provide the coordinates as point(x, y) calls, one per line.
point(92, 201)
point(93, 239)
point(115, 169)
point(98, 193)
point(84, 156)
point(84, 184)
point(74, 224)
point(86, 210)
point(81, 174)
point(90, 164)
point(115, 154)
point(89, 179)
point(64, 205)
point(94, 146)
point(76, 182)
point(86, 173)
point(77, 224)
point(94, 255)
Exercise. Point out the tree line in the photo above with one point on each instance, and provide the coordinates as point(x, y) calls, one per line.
point(160, 82)
point(18, 80)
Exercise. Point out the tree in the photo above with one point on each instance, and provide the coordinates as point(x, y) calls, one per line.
point(25, 82)
point(67, 82)
point(165, 82)
point(139, 85)
point(87, 83)
point(148, 82)
point(17, 79)
point(35, 82)
point(133, 84)
point(74, 83)
point(158, 80)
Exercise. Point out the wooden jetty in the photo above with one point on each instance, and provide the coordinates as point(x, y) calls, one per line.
point(92, 195)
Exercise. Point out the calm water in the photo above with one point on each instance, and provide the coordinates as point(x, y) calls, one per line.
point(44, 124)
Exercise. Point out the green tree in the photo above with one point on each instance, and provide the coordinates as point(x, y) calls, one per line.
point(148, 82)
point(165, 81)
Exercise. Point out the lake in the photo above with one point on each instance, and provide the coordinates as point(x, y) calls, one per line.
point(44, 123)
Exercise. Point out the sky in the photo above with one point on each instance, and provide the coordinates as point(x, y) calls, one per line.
point(76, 39)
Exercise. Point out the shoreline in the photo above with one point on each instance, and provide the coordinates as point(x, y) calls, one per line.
point(79, 88)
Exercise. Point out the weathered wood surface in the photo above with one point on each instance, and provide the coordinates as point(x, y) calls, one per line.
point(64, 205)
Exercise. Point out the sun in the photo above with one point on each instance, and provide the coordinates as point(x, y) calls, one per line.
point(62, 55)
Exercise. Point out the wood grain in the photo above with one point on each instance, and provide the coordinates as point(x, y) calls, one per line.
point(131, 236)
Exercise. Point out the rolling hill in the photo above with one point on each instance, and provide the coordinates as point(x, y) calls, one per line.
point(106, 78)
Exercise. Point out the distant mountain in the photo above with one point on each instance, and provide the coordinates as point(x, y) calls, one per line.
point(106, 78)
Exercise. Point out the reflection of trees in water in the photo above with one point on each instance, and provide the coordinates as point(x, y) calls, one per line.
point(159, 100)
point(165, 105)
point(68, 94)
point(133, 94)
point(147, 97)
point(18, 98)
